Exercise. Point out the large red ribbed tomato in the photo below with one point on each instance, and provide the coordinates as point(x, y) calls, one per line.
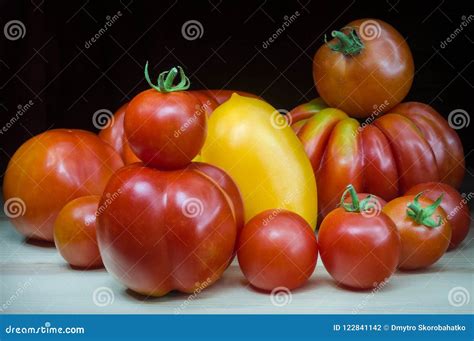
point(51, 169)
point(385, 156)
point(165, 230)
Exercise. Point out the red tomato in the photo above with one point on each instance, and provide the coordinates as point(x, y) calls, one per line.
point(165, 230)
point(424, 230)
point(165, 126)
point(453, 204)
point(75, 232)
point(277, 248)
point(443, 140)
point(360, 247)
point(114, 135)
point(384, 156)
point(368, 63)
point(51, 169)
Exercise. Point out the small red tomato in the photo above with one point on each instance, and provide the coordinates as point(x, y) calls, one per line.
point(166, 126)
point(453, 204)
point(424, 230)
point(75, 232)
point(277, 248)
point(359, 246)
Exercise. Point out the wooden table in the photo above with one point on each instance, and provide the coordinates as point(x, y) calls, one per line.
point(35, 279)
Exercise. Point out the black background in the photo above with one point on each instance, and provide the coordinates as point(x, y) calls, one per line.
point(68, 82)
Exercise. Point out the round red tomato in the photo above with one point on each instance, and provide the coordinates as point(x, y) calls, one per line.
point(51, 169)
point(75, 232)
point(360, 247)
point(114, 135)
point(166, 126)
point(160, 231)
point(277, 248)
point(424, 230)
point(453, 204)
point(368, 65)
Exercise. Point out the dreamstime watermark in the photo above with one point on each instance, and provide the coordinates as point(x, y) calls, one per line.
point(377, 110)
point(281, 296)
point(102, 118)
point(458, 119)
point(192, 30)
point(21, 110)
point(18, 292)
point(372, 208)
point(464, 202)
point(199, 288)
point(47, 328)
point(192, 207)
point(280, 119)
point(103, 296)
point(110, 198)
point(14, 30)
point(288, 20)
point(464, 23)
point(370, 30)
point(200, 110)
point(365, 301)
point(110, 20)
point(459, 296)
point(14, 207)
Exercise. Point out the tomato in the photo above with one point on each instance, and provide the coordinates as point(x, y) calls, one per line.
point(114, 135)
point(277, 248)
point(384, 156)
point(223, 95)
point(359, 246)
point(75, 232)
point(442, 139)
point(165, 230)
point(299, 115)
point(166, 126)
point(51, 169)
point(368, 64)
point(453, 204)
point(424, 230)
point(263, 156)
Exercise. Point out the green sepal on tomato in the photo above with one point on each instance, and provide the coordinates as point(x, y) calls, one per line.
point(424, 229)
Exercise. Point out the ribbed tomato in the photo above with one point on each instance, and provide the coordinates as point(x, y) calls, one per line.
point(385, 156)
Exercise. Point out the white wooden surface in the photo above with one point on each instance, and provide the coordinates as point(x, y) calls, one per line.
point(35, 279)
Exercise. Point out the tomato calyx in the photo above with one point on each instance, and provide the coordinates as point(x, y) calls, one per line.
point(348, 44)
point(356, 205)
point(166, 79)
point(423, 215)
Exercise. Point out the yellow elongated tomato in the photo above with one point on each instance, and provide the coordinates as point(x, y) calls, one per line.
point(252, 142)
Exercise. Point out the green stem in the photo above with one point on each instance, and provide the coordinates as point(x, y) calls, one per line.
point(423, 215)
point(166, 80)
point(348, 44)
point(354, 205)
